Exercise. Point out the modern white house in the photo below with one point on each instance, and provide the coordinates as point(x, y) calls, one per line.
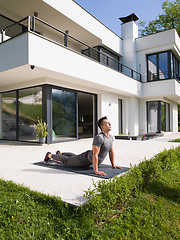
point(59, 63)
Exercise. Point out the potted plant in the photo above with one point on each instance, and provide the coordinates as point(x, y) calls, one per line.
point(41, 130)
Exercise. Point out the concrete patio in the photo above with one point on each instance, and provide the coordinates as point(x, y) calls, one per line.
point(17, 164)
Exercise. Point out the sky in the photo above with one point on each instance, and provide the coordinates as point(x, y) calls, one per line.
point(109, 11)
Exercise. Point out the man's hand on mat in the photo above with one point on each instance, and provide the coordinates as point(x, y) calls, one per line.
point(100, 173)
point(117, 167)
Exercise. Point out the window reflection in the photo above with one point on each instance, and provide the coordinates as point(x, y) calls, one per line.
point(8, 116)
point(30, 109)
point(63, 114)
point(163, 66)
point(152, 116)
point(152, 67)
point(158, 116)
point(163, 116)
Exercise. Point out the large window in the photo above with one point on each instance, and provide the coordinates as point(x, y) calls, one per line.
point(8, 116)
point(158, 116)
point(73, 115)
point(69, 114)
point(162, 66)
point(175, 68)
point(85, 115)
point(19, 112)
point(152, 110)
point(63, 114)
point(30, 109)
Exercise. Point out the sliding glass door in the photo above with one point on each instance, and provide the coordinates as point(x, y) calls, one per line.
point(69, 114)
point(73, 115)
point(8, 116)
point(29, 111)
point(63, 115)
point(85, 115)
point(158, 116)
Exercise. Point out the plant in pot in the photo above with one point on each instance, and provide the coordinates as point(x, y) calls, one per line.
point(41, 130)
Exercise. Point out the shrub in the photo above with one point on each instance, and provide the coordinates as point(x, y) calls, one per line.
point(106, 194)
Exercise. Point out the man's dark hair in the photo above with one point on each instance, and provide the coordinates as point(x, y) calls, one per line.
point(100, 121)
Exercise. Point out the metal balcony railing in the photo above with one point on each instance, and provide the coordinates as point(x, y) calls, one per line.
point(15, 29)
point(165, 75)
point(35, 24)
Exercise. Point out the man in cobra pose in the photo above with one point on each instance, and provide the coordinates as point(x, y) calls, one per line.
point(101, 146)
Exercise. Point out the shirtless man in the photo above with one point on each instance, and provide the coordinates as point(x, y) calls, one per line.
point(102, 145)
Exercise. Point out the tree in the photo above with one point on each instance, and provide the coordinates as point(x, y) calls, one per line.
point(169, 19)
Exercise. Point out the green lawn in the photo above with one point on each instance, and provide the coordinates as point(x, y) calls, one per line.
point(176, 140)
point(142, 204)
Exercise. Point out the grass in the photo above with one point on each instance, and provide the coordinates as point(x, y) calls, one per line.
point(176, 140)
point(142, 204)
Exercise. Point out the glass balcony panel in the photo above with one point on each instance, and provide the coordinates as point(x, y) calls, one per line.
point(126, 71)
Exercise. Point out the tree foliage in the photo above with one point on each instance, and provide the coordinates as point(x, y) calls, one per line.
point(169, 19)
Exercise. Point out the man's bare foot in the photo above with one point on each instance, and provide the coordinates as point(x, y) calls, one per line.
point(58, 152)
point(47, 157)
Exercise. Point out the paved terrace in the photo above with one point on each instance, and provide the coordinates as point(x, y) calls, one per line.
point(16, 164)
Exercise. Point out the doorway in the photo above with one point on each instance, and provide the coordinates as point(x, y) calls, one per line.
point(86, 113)
point(158, 116)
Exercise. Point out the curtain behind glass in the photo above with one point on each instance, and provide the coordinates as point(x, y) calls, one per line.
point(152, 117)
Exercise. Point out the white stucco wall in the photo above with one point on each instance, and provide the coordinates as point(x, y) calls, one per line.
point(134, 116)
point(109, 108)
point(154, 43)
point(47, 55)
point(142, 117)
point(174, 117)
point(77, 14)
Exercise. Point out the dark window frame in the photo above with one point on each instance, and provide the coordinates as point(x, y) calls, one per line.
point(17, 111)
point(170, 57)
point(47, 109)
point(50, 121)
point(159, 123)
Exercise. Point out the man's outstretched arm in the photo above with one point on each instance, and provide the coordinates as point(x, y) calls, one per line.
point(111, 157)
point(96, 151)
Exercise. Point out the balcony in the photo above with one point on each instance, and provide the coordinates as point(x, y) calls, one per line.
point(166, 75)
point(61, 38)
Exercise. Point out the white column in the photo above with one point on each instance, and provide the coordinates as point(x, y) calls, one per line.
point(126, 114)
point(0, 116)
point(142, 117)
point(174, 117)
point(134, 116)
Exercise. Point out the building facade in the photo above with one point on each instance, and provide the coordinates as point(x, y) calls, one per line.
point(61, 64)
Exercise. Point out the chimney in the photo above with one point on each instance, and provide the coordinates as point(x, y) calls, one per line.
point(129, 33)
